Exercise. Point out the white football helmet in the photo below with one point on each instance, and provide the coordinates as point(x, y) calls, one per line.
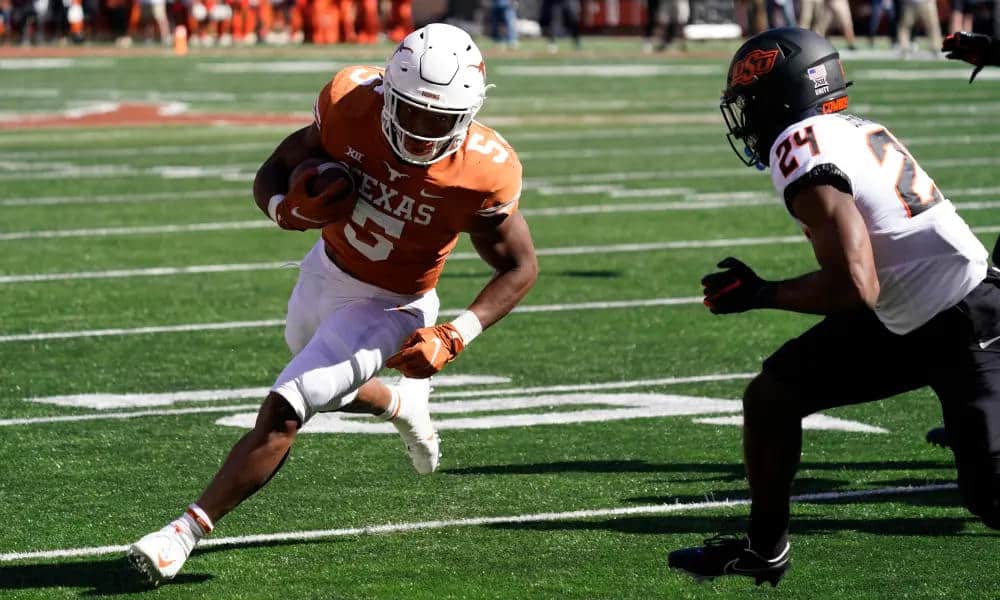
point(434, 84)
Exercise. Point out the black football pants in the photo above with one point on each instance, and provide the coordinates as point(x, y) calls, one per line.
point(852, 358)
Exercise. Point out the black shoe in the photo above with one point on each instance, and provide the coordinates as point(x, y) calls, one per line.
point(939, 437)
point(729, 555)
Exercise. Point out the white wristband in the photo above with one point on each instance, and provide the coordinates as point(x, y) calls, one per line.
point(272, 206)
point(468, 326)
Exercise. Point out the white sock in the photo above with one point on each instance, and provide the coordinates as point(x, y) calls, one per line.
point(193, 525)
point(391, 411)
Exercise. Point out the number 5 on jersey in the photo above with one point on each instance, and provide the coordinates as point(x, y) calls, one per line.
point(380, 250)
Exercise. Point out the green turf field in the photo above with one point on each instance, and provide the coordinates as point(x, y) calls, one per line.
point(134, 265)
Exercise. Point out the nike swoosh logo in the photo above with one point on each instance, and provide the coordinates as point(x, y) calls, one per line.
point(298, 215)
point(424, 194)
point(735, 569)
point(437, 348)
point(163, 564)
point(987, 343)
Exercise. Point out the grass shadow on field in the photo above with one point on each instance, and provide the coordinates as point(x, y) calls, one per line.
point(730, 481)
point(98, 577)
point(587, 274)
point(723, 472)
point(708, 526)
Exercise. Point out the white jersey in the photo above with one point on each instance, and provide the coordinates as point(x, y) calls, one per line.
point(926, 257)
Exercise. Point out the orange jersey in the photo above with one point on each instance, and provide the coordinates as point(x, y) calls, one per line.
point(408, 217)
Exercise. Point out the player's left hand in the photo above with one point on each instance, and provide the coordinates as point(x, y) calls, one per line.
point(316, 199)
point(427, 351)
point(974, 48)
point(737, 289)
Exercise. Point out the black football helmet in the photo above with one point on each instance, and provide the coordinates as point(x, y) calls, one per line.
point(776, 78)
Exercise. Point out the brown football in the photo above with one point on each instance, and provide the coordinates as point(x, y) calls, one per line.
point(331, 173)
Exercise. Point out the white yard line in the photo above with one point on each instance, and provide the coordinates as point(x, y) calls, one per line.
point(612, 70)
point(193, 134)
point(63, 335)
point(97, 199)
point(142, 151)
point(590, 387)
point(199, 227)
point(921, 74)
point(538, 308)
point(29, 170)
point(125, 415)
point(608, 184)
point(749, 199)
point(185, 149)
point(691, 200)
point(457, 256)
point(583, 153)
point(148, 272)
point(122, 400)
point(145, 230)
point(389, 528)
point(567, 251)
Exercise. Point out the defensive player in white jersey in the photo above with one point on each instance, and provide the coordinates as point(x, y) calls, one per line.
point(979, 51)
point(904, 284)
point(425, 171)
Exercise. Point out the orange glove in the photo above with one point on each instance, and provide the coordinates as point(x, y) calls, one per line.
point(305, 208)
point(427, 351)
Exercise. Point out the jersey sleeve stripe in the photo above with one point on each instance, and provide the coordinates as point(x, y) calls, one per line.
point(505, 208)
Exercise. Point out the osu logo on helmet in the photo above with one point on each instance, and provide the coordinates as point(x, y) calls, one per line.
point(756, 63)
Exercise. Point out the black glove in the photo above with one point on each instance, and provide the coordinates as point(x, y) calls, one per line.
point(974, 48)
point(737, 289)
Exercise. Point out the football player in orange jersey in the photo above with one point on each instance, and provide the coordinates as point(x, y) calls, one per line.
point(424, 172)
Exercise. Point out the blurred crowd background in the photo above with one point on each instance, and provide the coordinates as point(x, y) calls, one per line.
point(662, 24)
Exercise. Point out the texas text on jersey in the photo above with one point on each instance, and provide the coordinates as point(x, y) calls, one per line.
point(408, 217)
point(927, 258)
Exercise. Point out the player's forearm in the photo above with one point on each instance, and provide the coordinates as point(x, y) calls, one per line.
point(504, 291)
point(272, 176)
point(271, 179)
point(826, 292)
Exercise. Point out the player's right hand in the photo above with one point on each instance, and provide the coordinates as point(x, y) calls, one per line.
point(974, 48)
point(427, 351)
point(737, 289)
point(301, 210)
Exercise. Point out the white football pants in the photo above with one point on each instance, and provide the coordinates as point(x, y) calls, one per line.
point(341, 330)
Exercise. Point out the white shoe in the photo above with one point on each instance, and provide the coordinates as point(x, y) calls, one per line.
point(161, 554)
point(413, 422)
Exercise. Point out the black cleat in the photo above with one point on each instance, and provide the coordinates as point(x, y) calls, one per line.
point(939, 437)
point(729, 555)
